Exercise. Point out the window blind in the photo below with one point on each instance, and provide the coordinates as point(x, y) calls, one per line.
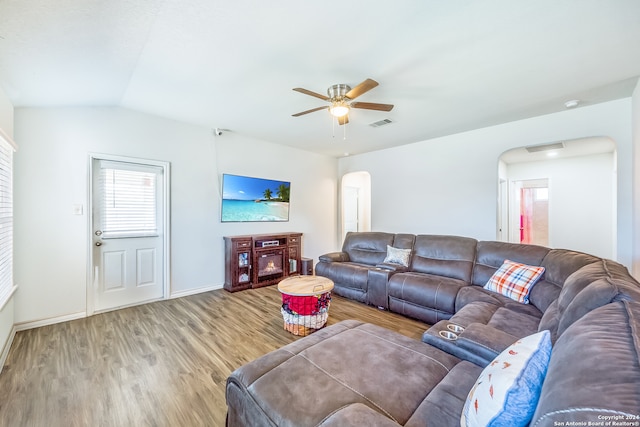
point(128, 202)
point(6, 219)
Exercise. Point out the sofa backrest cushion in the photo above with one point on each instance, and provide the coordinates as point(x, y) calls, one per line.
point(590, 287)
point(449, 256)
point(491, 255)
point(594, 369)
point(582, 278)
point(559, 264)
point(614, 287)
point(367, 247)
point(404, 241)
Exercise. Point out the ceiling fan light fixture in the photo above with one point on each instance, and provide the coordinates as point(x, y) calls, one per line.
point(339, 109)
point(340, 98)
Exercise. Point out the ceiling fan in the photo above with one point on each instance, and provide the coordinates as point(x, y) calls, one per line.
point(340, 99)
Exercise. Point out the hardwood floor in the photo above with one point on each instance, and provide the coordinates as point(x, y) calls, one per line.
point(159, 364)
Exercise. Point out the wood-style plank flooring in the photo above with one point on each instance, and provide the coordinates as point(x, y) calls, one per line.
point(158, 364)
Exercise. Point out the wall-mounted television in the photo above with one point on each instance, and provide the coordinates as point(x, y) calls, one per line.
point(248, 199)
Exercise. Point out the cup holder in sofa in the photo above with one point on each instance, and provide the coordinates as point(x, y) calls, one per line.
point(456, 329)
point(448, 335)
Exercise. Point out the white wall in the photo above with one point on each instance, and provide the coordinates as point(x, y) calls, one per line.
point(6, 312)
point(448, 185)
point(635, 111)
point(6, 114)
point(51, 176)
point(580, 200)
point(314, 188)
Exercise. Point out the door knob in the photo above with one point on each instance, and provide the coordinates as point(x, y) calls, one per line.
point(98, 243)
point(98, 233)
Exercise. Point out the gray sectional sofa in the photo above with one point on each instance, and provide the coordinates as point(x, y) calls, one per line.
point(358, 374)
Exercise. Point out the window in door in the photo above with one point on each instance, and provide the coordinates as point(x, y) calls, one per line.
point(129, 202)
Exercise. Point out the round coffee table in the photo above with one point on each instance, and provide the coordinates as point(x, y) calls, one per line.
point(305, 303)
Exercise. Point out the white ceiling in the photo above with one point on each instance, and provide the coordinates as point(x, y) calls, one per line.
point(448, 66)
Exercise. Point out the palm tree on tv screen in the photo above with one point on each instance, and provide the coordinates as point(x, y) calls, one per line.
point(267, 194)
point(283, 192)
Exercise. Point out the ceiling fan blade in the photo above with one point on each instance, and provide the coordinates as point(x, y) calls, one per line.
point(363, 87)
point(372, 106)
point(343, 120)
point(308, 92)
point(309, 111)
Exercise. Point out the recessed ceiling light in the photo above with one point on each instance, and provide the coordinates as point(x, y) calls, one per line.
point(572, 103)
point(552, 153)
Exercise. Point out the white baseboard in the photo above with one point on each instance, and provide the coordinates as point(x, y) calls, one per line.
point(188, 292)
point(49, 321)
point(7, 347)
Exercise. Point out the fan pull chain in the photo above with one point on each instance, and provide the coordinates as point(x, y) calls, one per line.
point(333, 126)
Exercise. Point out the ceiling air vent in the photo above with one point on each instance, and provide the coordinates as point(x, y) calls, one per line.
point(545, 147)
point(380, 123)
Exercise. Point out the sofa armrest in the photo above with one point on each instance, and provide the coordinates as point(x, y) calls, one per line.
point(335, 257)
point(485, 341)
point(397, 268)
point(378, 287)
point(478, 343)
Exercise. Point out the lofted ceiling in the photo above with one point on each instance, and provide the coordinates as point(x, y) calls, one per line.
point(447, 66)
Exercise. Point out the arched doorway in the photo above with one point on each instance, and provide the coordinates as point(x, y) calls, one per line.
point(561, 194)
point(355, 202)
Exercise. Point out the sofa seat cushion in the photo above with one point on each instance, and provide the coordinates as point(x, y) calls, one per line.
point(477, 312)
point(304, 382)
point(426, 290)
point(504, 318)
point(514, 323)
point(443, 406)
point(473, 294)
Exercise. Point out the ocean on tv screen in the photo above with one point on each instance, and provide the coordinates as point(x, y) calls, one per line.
point(252, 210)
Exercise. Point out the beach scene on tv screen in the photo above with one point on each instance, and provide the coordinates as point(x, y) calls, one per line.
point(254, 199)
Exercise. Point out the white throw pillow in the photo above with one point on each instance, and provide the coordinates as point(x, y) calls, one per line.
point(507, 391)
point(398, 256)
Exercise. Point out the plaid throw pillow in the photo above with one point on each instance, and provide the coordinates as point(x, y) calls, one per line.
point(514, 280)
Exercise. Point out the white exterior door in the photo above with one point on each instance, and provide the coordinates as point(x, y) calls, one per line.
point(127, 233)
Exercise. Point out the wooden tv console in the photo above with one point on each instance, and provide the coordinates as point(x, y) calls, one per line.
point(256, 260)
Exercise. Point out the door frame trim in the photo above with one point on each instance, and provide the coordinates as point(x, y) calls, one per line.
point(166, 237)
